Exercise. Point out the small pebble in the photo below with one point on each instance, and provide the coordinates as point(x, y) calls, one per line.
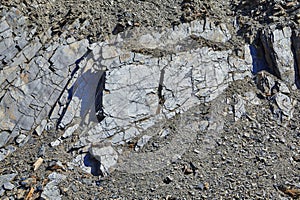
point(200, 186)
point(55, 143)
point(20, 138)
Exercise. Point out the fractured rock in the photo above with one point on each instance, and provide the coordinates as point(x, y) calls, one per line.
point(67, 55)
point(284, 104)
point(142, 141)
point(106, 155)
point(5, 182)
point(269, 84)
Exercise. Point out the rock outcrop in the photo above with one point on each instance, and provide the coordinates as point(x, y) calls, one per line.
point(118, 88)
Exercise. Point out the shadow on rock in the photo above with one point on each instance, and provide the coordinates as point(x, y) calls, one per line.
point(94, 164)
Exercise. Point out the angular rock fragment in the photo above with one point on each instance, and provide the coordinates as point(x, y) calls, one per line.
point(239, 108)
point(51, 190)
point(106, 155)
point(69, 54)
point(269, 84)
point(69, 131)
point(8, 186)
point(5, 182)
point(141, 142)
point(276, 45)
point(284, 104)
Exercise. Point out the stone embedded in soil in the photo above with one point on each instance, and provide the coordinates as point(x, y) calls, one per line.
point(8, 186)
point(69, 131)
point(51, 190)
point(5, 181)
point(284, 104)
point(142, 141)
point(20, 138)
point(239, 108)
point(107, 157)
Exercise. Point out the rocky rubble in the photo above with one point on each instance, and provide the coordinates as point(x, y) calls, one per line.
point(131, 102)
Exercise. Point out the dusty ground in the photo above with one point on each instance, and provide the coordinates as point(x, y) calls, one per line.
point(250, 160)
point(254, 157)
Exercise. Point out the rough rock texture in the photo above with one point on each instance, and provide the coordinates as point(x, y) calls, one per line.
point(137, 94)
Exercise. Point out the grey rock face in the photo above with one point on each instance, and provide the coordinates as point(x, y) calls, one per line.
point(30, 91)
point(279, 56)
point(4, 135)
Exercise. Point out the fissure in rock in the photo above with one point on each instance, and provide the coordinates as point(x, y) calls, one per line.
point(99, 98)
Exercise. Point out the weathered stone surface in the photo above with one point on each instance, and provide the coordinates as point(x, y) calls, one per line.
point(141, 142)
point(116, 89)
point(106, 155)
point(8, 186)
point(20, 138)
point(278, 53)
point(30, 50)
point(3, 26)
point(4, 152)
point(51, 190)
point(239, 108)
point(284, 55)
point(69, 131)
point(68, 54)
point(285, 105)
point(4, 135)
point(5, 182)
point(6, 178)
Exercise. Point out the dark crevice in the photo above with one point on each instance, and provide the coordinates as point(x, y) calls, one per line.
point(259, 62)
point(266, 40)
point(295, 39)
point(18, 47)
point(160, 87)
point(99, 98)
point(161, 98)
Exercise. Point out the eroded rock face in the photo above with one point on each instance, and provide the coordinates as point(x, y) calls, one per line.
point(119, 88)
point(136, 89)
